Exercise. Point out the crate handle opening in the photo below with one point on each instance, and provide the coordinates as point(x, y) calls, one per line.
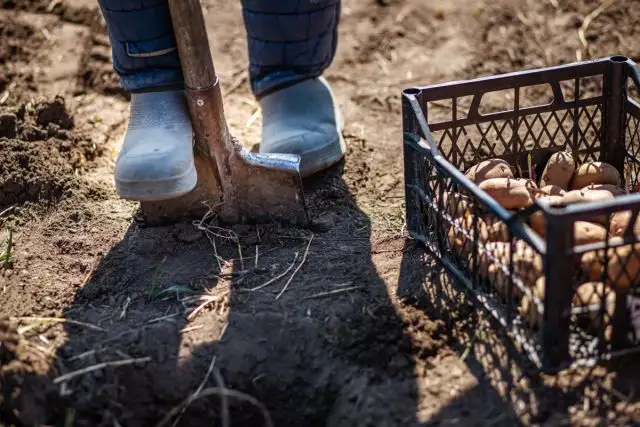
point(619, 58)
point(414, 91)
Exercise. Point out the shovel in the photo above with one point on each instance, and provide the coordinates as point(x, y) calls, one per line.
point(241, 186)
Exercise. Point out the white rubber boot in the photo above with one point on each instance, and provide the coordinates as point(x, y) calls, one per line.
point(156, 159)
point(303, 119)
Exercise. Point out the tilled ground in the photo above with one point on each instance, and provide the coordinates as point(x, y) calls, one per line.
point(360, 337)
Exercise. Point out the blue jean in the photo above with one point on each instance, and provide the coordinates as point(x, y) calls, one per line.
point(289, 41)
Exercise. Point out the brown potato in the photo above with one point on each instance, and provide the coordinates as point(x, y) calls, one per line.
point(527, 265)
point(528, 309)
point(588, 300)
point(595, 173)
point(456, 204)
point(559, 170)
point(458, 241)
point(623, 265)
point(553, 201)
point(490, 269)
point(510, 193)
point(537, 221)
point(492, 168)
point(613, 189)
point(552, 190)
point(461, 233)
point(587, 232)
point(592, 263)
point(619, 223)
point(494, 232)
point(587, 196)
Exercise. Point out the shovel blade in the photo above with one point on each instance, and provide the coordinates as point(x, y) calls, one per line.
point(263, 188)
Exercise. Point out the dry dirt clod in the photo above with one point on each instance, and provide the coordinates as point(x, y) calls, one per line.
point(187, 233)
point(54, 112)
point(8, 125)
point(27, 395)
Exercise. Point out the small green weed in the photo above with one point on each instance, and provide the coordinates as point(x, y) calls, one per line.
point(154, 290)
point(6, 255)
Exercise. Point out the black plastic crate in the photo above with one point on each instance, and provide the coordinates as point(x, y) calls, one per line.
point(585, 108)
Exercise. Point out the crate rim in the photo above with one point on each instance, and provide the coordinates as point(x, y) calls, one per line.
point(634, 68)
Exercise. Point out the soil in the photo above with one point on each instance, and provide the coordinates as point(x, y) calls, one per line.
point(41, 155)
point(367, 331)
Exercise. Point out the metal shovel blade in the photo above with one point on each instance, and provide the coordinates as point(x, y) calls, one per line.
point(264, 188)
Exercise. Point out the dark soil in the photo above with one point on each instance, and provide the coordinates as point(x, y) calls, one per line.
point(14, 35)
point(369, 331)
point(40, 154)
point(28, 397)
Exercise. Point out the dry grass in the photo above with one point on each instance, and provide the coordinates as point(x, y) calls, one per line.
point(40, 321)
point(222, 392)
point(97, 367)
point(304, 259)
point(278, 277)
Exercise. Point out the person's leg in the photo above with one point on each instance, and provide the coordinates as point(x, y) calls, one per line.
point(156, 159)
point(291, 43)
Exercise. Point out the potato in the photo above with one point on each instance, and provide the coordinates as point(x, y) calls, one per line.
point(489, 268)
point(528, 309)
point(460, 235)
point(619, 223)
point(613, 189)
point(527, 265)
point(458, 242)
point(492, 168)
point(587, 303)
point(510, 193)
point(456, 204)
point(592, 263)
point(623, 266)
point(559, 170)
point(588, 196)
point(553, 201)
point(537, 221)
point(463, 227)
point(587, 232)
point(494, 232)
point(553, 190)
point(595, 173)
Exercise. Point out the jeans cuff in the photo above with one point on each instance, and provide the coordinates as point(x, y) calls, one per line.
point(279, 80)
point(152, 79)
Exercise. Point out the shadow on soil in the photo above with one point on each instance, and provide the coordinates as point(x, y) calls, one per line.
point(329, 350)
point(509, 388)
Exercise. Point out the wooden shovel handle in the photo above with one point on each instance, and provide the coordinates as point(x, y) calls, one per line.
point(193, 44)
point(212, 139)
